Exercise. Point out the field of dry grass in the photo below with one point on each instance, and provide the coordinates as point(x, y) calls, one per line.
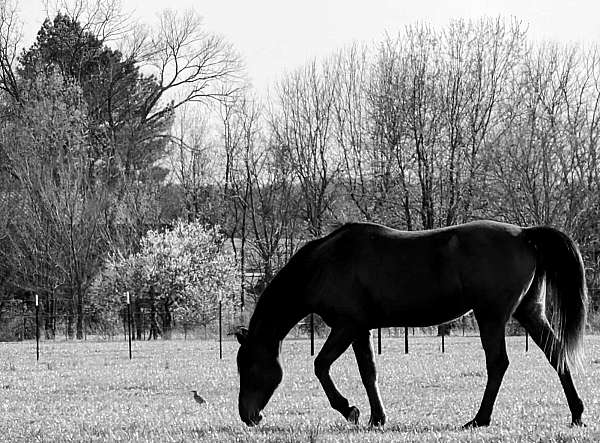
point(90, 391)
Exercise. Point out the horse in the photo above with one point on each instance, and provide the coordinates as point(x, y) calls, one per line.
point(364, 276)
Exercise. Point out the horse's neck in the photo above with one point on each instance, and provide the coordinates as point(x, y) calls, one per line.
point(275, 315)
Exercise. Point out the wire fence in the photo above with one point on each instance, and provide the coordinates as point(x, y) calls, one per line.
point(29, 326)
point(27, 321)
point(22, 325)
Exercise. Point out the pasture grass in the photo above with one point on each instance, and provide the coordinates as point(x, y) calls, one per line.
point(90, 391)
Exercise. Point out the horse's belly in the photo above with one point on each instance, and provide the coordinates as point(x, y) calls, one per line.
point(415, 317)
point(423, 309)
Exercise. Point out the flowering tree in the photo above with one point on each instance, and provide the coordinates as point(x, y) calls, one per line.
point(179, 275)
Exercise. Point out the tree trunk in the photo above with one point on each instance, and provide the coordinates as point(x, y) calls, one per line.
point(138, 320)
point(243, 259)
point(69, 326)
point(79, 301)
point(49, 329)
point(71, 313)
point(154, 328)
point(167, 322)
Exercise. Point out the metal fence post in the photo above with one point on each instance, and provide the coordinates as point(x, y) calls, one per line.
point(406, 339)
point(312, 334)
point(23, 317)
point(220, 330)
point(443, 347)
point(37, 329)
point(129, 321)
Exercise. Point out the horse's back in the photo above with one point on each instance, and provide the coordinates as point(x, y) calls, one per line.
point(375, 273)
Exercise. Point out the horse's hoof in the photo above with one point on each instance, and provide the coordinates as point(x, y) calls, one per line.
point(578, 423)
point(377, 420)
point(475, 424)
point(353, 415)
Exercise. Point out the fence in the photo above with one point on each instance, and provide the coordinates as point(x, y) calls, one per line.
point(22, 322)
point(31, 326)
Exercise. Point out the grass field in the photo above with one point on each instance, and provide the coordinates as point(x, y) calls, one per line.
point(90, 391)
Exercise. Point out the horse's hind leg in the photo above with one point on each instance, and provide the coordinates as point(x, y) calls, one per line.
point(366, 366)
point(338, 341)
point(534, 320)
point(496, 361)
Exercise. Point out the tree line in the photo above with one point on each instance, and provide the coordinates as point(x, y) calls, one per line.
point(427, 128)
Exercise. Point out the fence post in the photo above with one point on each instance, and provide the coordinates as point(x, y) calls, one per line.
point(406, 339)
point(129, 321)
point(526, 341)
point(37, 329)
point(23, 317)
point(379, 341)
point(220, 331)
point(312, 334)
point(443, 347)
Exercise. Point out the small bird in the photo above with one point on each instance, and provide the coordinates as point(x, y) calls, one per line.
point(198, 399)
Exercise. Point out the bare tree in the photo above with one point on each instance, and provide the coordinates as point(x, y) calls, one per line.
point(531, 171)
point(434, 104)
point(302, 124)
point(259, 190)
point(189, 64)
point(581, 122)
point(236, 185)
point(10, 40)
point(272, 201)
point(369, 172)
point(193, 164)
point(388, 90)
point(423, 113)
point(482, 56)
point(103, 18)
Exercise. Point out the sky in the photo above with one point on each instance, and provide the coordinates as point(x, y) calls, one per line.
point(277, 36)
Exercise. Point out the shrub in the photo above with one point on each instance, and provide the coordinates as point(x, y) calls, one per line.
point(179, 275)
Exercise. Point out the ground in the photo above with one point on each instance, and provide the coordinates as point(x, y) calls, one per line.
point(91, 391)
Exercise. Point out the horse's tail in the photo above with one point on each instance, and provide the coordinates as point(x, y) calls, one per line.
point(559, 263)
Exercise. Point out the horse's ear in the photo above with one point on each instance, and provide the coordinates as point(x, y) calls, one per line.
point(241, 335)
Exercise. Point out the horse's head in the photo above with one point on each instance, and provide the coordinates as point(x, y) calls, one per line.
point(260, 374)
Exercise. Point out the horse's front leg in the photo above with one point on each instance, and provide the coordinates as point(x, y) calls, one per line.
point(338, 341)
point(366, 366)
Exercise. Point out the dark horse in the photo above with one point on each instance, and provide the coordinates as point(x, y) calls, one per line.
point(364, 276)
